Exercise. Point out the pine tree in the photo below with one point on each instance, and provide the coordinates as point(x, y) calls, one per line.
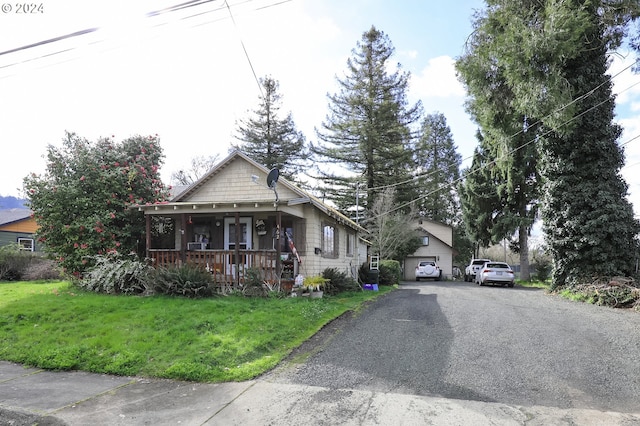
point(368, 133)
point(270, 140)
point(481, 204)
point(438, 163)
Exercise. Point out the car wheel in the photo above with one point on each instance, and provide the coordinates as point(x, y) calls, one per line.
point(417, 278)
point(511, 285)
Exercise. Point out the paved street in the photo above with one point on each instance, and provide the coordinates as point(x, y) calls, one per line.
point(457, 340)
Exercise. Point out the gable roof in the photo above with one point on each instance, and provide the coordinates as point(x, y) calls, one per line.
point(435, 230)
point(8, 216)
point(303, 196)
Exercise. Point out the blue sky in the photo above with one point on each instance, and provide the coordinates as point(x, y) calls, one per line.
point(185, 76)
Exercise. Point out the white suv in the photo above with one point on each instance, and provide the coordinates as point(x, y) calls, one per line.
point(428, 269)
point(470, 271)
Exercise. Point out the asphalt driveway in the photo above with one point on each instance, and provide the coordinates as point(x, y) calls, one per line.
point(456, 340)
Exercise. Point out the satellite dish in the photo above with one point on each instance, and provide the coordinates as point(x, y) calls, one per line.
point(272, 178)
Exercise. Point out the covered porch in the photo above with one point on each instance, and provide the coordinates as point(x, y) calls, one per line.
point(229, 267)
point(227, 240)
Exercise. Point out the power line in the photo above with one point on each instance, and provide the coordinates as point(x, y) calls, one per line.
point(246, 54)
point(153, 14)
point(560, 109)
point(51, 40)
point(514, 150)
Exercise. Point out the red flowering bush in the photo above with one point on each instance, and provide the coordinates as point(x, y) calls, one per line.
point(80, 202)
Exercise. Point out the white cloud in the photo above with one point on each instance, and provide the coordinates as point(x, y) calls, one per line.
point(438, 79)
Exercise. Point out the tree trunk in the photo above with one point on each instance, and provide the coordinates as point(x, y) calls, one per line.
point(523, 236)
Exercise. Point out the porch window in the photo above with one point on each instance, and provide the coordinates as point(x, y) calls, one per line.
point(329, 241)
point(163, 232)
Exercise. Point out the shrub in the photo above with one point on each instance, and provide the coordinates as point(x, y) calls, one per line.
point(13, 262)
point(253, 280)
point(187, 280)
point(390, 272)
point(338, 282)
point(314, 282)
point(368, 276)
point(543, 270)
point(114, 274)
point(42, 269)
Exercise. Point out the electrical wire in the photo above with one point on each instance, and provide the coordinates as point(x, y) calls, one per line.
point(514, 150)
point(246, 54)
point(560, 109)
point(153, 14)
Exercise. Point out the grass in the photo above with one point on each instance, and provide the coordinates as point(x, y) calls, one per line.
point(58, 327)
point(535, 284)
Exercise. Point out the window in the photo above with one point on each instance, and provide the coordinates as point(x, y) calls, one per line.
point(351, 239)
point(329, 241)
point(26, 244)
point(425, 240)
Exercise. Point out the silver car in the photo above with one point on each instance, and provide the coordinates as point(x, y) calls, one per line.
point(495, 273)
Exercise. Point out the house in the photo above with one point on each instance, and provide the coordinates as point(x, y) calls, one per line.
point(231, 219)
point(18, 226)
point(437, 244)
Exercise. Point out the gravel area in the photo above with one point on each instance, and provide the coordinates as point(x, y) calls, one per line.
point(456, 340)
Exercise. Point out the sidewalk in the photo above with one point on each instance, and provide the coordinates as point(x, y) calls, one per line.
point(30, 396)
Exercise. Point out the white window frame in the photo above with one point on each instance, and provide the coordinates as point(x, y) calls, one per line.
point(30, 247)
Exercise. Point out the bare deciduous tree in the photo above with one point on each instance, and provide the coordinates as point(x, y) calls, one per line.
point(199, 166)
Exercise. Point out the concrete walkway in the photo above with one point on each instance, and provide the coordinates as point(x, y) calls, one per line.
point(31, 396)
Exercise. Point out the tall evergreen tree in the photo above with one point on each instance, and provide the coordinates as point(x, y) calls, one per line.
point(507, 135)
point(552, 57)
point(271, 140)
point(368, 132)
point(588, 220)
point(438, 163)
point(481, 204)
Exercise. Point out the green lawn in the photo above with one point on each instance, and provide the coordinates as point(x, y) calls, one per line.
point(56, 326)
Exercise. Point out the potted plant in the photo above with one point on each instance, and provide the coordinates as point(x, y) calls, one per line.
point(315, 285)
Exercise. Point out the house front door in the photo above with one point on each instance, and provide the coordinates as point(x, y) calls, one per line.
point(244, 237)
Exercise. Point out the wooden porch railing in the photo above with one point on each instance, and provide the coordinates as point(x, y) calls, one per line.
point(222, 263)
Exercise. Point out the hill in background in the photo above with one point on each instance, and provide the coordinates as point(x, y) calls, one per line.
point(12, 203)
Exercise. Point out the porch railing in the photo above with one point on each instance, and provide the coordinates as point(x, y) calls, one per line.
point(223, 264)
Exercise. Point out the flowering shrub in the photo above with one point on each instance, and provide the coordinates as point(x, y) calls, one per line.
point(80, 202)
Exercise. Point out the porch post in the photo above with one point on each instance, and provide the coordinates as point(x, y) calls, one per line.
point(183, 237)
point(237, 249)
point(147, 237)
point(278, 248)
